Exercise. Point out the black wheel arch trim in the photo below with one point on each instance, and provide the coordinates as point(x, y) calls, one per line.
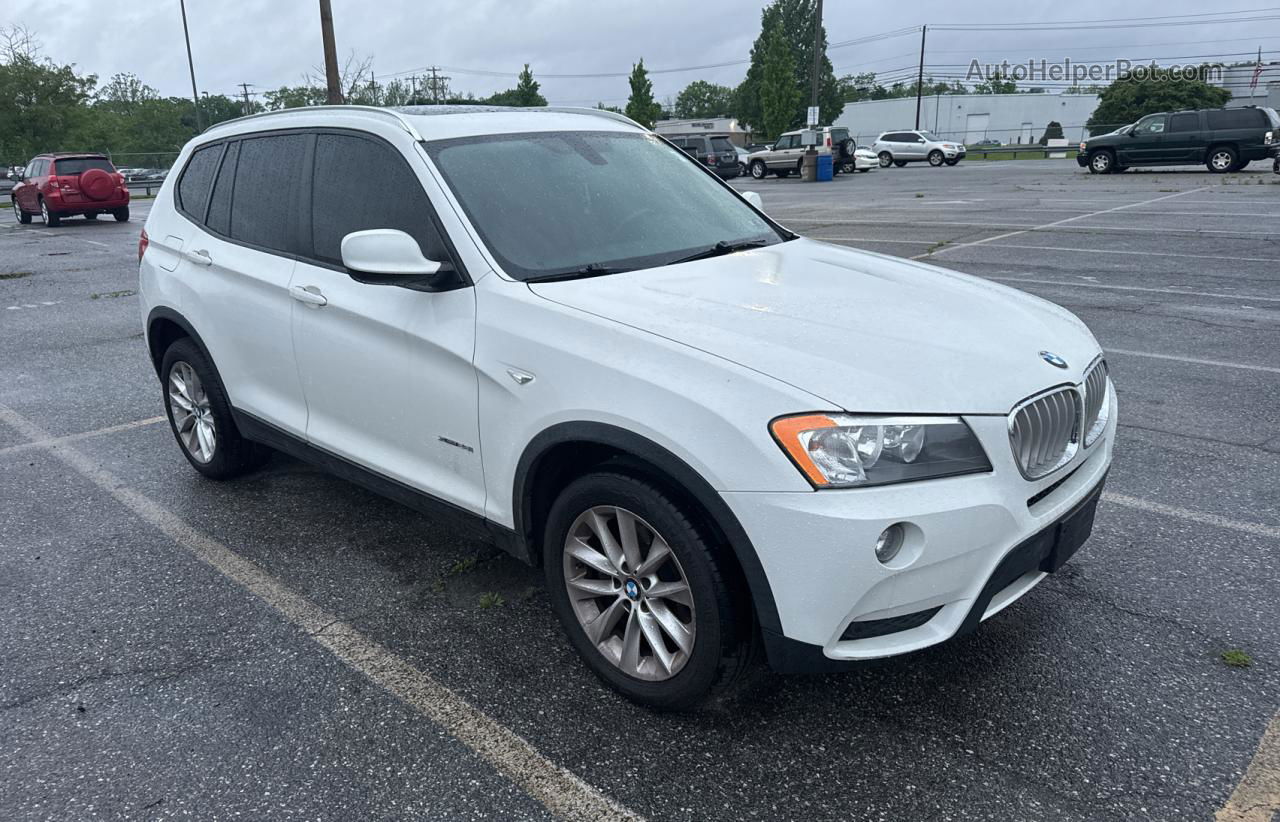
point(166, 313)
point(675, 468)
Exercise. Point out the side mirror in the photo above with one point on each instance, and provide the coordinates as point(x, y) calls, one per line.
point(386, 252)
point(754, 199)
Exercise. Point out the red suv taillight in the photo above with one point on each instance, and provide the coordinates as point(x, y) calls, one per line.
point(143, 242)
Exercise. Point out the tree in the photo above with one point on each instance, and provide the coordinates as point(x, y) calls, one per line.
point(524, 94)
point(794, 19)
point(1131, 98)
point(703, 99)
point(641, 106)
point(1053, 131)
point(778, 92)
point(997, 83)
point(43, 106)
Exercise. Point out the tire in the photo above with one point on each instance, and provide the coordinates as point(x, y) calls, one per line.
point(847, 147)
point(936, 158)
point(23, 217)
point(900, 163)
point(759, 170)
point(121, 214)
point(848, 168)
point(1101, 162)
point(1221, 159)
point(953, 161)
point(92, 215)
point(1240, 165)
point(228, 455)
point(885, 159)
point(742, 169)
point(51, 219)
point(719, 644)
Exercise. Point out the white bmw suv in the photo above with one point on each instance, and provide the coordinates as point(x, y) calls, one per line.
point(716, 436)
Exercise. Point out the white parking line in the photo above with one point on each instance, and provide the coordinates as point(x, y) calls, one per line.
point(1196, 360)
point(1063, 222)
point(563, 793)
point(1067, 249)
point(1169, 291)
point(54, 442)
point(1257, 529)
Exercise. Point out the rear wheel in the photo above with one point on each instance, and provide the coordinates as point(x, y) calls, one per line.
point(936, 158)
point(200, 415)
point(1100, 162)
point(640, 594)
point(121, 214)
point(885, 159)
point(23, 217)
point(1221, 159)
point(50, 218)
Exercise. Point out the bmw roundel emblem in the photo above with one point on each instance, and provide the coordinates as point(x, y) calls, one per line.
point(632, 589)
point(1053, 359)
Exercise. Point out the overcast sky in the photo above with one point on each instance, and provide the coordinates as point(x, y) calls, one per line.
point(269, 43)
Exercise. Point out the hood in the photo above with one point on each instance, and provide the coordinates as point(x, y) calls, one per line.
point(864, 332)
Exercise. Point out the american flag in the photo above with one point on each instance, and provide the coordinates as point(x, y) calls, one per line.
point(1257, 71)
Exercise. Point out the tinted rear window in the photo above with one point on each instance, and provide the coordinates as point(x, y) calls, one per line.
point(193, 188)
point(266, 193)
point(721, 144)
point(220, 203)
point(1184, 122)
point(79, 165)
point(1236, 118)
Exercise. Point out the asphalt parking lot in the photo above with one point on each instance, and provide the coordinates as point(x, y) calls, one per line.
point(291, 646)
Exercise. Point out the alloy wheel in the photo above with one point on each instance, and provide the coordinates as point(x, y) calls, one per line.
point(1222, 160)
point(1101, 162)
point(629, 593)
point(44, 212)
point(192, 416)
point(17, 209)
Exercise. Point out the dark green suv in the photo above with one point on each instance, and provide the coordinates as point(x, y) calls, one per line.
point(1224, 139)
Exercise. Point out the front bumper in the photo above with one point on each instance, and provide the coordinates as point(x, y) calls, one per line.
point(1082, 160)
point(817, 551)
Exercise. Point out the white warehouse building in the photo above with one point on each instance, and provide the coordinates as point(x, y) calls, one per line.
point(1009, 118)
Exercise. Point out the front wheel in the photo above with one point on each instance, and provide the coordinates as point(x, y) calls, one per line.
point(758, 169)
point(640, 594)
point(23, 217)
point(200, 415)
point(885, 159)
point(1100, 162)
point(936, 158)
point(1222, 159)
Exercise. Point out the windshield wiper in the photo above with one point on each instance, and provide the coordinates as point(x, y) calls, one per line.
point(590, 270)
point(720, 248)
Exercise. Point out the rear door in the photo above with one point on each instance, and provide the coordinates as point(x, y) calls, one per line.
point(236, 249)
point(387, 370)
point(1184, 139)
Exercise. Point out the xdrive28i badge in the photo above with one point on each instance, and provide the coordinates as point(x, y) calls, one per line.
point(1053, 359)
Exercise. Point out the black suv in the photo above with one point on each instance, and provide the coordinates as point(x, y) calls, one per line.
point(1224, 139)
point(712, 150)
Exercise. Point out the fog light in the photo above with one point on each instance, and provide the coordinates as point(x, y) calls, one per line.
point(889, 543)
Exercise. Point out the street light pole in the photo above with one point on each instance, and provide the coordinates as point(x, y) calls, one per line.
point(333, 86)
point(920, 76)
point(195, 95)
point(817, 53)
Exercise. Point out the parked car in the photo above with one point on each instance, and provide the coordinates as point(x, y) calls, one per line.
point(836, 140)
point(1275, 163)
point(714, 435)
point(901, 147)
point(987, 143)
point(712, 150)
point(864, 159)
point(1224, 139)
point(61, 185)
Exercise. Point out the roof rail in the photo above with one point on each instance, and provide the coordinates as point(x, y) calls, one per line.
point(284, 112)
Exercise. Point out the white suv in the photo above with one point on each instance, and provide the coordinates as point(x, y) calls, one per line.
point(715, 436)
point(901, 147)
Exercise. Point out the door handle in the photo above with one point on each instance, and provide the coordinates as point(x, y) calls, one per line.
point(308, 295)
point(201, 257)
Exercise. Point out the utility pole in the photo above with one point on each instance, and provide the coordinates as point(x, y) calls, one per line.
point(920, 77)
point(245, 88)
point(437, 84)
point(817, 53)
point(332, 84)
point(195, 95)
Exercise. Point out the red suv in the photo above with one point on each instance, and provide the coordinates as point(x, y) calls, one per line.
point(59, 185)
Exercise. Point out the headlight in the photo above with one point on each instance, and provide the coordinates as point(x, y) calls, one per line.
point(1084, 147)
point(844, 451)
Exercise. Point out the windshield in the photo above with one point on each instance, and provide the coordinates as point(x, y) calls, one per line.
point(555, 202)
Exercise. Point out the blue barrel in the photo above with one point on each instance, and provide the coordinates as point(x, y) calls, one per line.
point(825, 168)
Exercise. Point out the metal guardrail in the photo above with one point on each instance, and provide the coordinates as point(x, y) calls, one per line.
point(148, 187)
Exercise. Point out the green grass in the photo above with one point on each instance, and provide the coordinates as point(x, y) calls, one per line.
point(489, 599)
point(461, 566)
point(14, 275)
point(1236, 658)
point(111, 295)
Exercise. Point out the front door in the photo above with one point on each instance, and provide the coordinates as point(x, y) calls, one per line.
point(386, 370)
point(1145, 143)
